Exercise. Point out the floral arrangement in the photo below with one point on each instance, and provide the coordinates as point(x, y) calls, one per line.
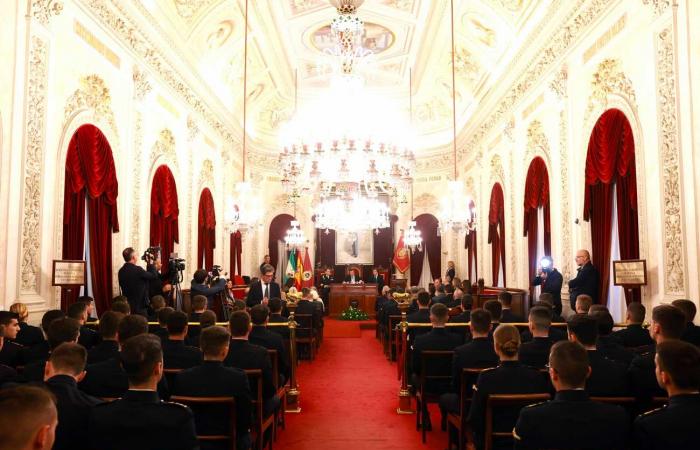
point(353, 313)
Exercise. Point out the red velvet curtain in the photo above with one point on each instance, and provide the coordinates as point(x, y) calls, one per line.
point(383, 244)
point(536, 196)
point(206, 230)
point(278, 230)
point(90, 173)
point(428, 226)
point(610, 162)
point(470, 244)
point(497, 237)
point(164, 212)
point(236, 250)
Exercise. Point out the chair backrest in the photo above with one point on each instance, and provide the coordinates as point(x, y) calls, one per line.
point(215, 405)
point(436, 368)
point(495, 402)
point(305, 325)
point(466, 384)
point(170, 375)
point(274, 359)
point(256, 384)
point(393, 321)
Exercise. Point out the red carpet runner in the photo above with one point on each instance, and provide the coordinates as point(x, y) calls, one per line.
point(348, 401)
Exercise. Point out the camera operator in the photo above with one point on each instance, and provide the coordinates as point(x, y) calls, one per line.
point(551, 280)
point(134, 280)
point(200, 286)
point(161, 285)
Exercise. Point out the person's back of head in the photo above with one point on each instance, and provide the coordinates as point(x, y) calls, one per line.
point(163, 315)
point(568, 365)
point(584, 329)
point(157, 302)
point(275, 305)
point(636, 313)
point(667, 322)
point(439, 314)
point(142, 360)
point(423, 299)
point(605, 322)
point(69, 359)
point(239, 324)
point(432, 290)
point(583, 304)
point(495, 308)
point(49, 316)
point(545, 305)
point(63, 330)
point(506, 341)
point(506, 299)
point(214, 342)
point(199, 303)
point(177, 324)
point(200, 275)
point(28, 418)
point(77, 311)
point(688, 308)
point(466, 302)
point(131, 326)
point(540, 319)
point(109, 325)
point(546, 297)
point(207, 319)
point(259, 314)
point(441, 289)
point(480, 321)
point(597, 308)
point(120, 298)
point(305, 293)
point(678, 365)
point(239, 305)
point(21, 310)
point(449, 289)
point(121, 307)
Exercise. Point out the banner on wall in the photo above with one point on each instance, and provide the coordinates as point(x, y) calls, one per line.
point(307, 276)
point(402, 260)
point(298, 274)
point(291, 266)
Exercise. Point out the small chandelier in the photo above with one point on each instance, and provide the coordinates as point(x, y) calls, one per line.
point(295, 237)
point(412, 239)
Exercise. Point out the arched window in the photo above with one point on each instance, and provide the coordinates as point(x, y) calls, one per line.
point(206, 230)
point(164, 212)
point(497, 236)
point(275, 243)
point(536, 225)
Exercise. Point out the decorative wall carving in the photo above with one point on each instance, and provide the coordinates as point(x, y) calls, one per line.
point(509, 128)
point(136, 182)
point(165, 147)
point(674, 265)
point(192, 129)
point(33, 161)
point(92, 94)
point(187, 9)
point(565, 228)
point(206, 175)
point(435, 162)
point(426, 203)
point(659, 6)
point(608, 79)
point(497, 174)
point(558, 85)
point(43, 10)
point(536, 139)
point(141, 84)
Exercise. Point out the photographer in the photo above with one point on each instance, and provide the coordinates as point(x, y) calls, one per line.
point(200, 286)
point(161, 285)
point(134, 280)
point(551, 280)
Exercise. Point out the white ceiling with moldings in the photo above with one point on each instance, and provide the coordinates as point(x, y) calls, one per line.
point(288, 37)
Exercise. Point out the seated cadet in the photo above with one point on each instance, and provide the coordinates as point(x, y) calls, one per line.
point(667, 323)
point(495, 309)
point(10, 353)
point(177, 355)
point(381, 299)
point(212, 379)
point(391, 308)
point(109, 346)
point(90, 303)
point(119, 304)
point(465, 306)
point(7, 373)
point(307, 306)
point(536, 352)
point(262, 336)
point(199, 305)
point(510, 377)
point(244, 355)
point(440, 295)
point(64, 369)
point(607, 345)
point(548, 298)
point(507, 315)
point(556, 333)
point(634, 335)
point(207, 319)
point(28, 335)
point(88, 336)
point(420, 316)
point(275, 305)
point(571, 421)
point(60, 331)
point(692, 331)
point(162, 330)
point(607, 378)
point(584, 304)
point(140, 419)
point(28, 418)
point(673, 427)
point(40, 351)
point(157, 303)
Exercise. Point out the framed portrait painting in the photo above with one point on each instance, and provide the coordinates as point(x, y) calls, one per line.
point(354, 247)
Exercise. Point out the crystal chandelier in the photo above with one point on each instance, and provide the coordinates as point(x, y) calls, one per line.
point(351, 214)
point(295, 237)
point(412, 238)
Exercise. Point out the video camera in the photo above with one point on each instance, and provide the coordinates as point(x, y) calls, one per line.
point(214, 275)
point(176, 264)
point(151, 254)
point(546, 264)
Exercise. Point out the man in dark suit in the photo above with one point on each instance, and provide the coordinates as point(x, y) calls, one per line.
point(134, 281)
point(64, 369)
point(549, 424)
point(376, 278)
point(674, 426)
point(199, 286)
point(587, 280)
point(140, 419)
point(608, 378)
point(109, 347)
point(551, 280)
point(507, 315)
point(536, 352)
point(326, 281)
point(607, 345)
point(353, 277)
point(692, 331)
point(177, 355)
point(264, 289)
point(60, 331)
point(634, 335)
point(494, 308)
point(88, 336)
point(390, 308)
point(440, 294)
point(262, 336)
point(381, 300)
point(10, 353)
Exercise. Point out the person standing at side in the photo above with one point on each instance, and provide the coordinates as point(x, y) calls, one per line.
point(551, 280)
point(134, 280)
point(264, 289)
point(587, 280)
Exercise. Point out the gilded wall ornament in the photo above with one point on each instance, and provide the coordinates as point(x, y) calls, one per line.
point(206, 175)
point(497, 173)
point(660, 6)
point(609, 79)
point(43, 10)
point(188, 9)
point(566, 251)
point(141, 84)
point(426, 202)
point(536, 139)
point(165, 147)
point(92, 94)
point(192, 129)
point(558, 85)
point(136, 182)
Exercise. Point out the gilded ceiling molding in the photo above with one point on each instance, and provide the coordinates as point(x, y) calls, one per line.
point(559, 83)
point(509, 128)
point(674, 262)
point(165, 147)
point(660, 6)
point(141, 84)
point(44, 10)
point(559, 42)
point(35, 126)
point(609, 79)
point(135, 39)
point(92, 94)
point(434, 162)
point(188, 9)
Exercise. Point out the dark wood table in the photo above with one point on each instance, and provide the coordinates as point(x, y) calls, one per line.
point(342, 294)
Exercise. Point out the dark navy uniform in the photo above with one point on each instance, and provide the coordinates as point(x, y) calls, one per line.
point(556, 334)
point(11, 354)
point(691, 334)
point(634, 335)
point(477, 353)
point(162, 333)
point(435, 339)
point(612, 349)
point(642, 376)
point(508, 316)
point(108, 379)
point(29, 335)
point(33, 372)
point(278, 318)
point(36, 353)
point(244, 355)
point(263, 337)
point(536, 352)
point(420, 316)
point(510, 377)
point(73, 412)
point(552, 285)
point(177, 355)
point(103, 351)
point(608, 378)
point(673, 427)
point(88, 337)
point(572, 421)
point(7, 374)
point(140, 420)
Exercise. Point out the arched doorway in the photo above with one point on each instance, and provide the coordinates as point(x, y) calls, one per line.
point(425, 264)
point(206, 230)
point(164, 213)
point(610, 203)
point(275, 243)
point(497, 236)
point(536, 219)
point(90, 212)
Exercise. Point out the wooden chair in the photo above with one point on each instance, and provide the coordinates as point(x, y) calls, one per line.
point(170, 375)
point(459, 421)
point(510, 401)
point(306, 334)
point(197, 404)
point(392, 348)
point(280, 389)
point(435, 367)
point(260, 423)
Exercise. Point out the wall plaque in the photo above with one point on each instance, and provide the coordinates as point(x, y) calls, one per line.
point(632, 272)
point(69, 273)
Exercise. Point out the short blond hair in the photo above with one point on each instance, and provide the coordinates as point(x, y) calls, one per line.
point(21, 310)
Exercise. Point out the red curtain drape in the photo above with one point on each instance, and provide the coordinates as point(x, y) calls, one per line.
point(206, 230)
point(497, 233)
point(164, 212)
point(536, 196)
point(610, 162)
point(428, 226)
point(278, 230)
point(90, 173)
point(470, 244)
point(236, 250)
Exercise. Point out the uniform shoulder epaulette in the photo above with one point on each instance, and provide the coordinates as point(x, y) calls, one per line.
point(537, 404)
point(653, 411)
point(176, 404)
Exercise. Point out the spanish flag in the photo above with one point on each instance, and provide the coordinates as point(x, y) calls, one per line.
point(299, 274)
point(402, 260)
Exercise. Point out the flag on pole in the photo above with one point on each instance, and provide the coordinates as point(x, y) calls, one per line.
point(291, 266)
point(402, 260)
point(307, 278)
point(299, 270)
